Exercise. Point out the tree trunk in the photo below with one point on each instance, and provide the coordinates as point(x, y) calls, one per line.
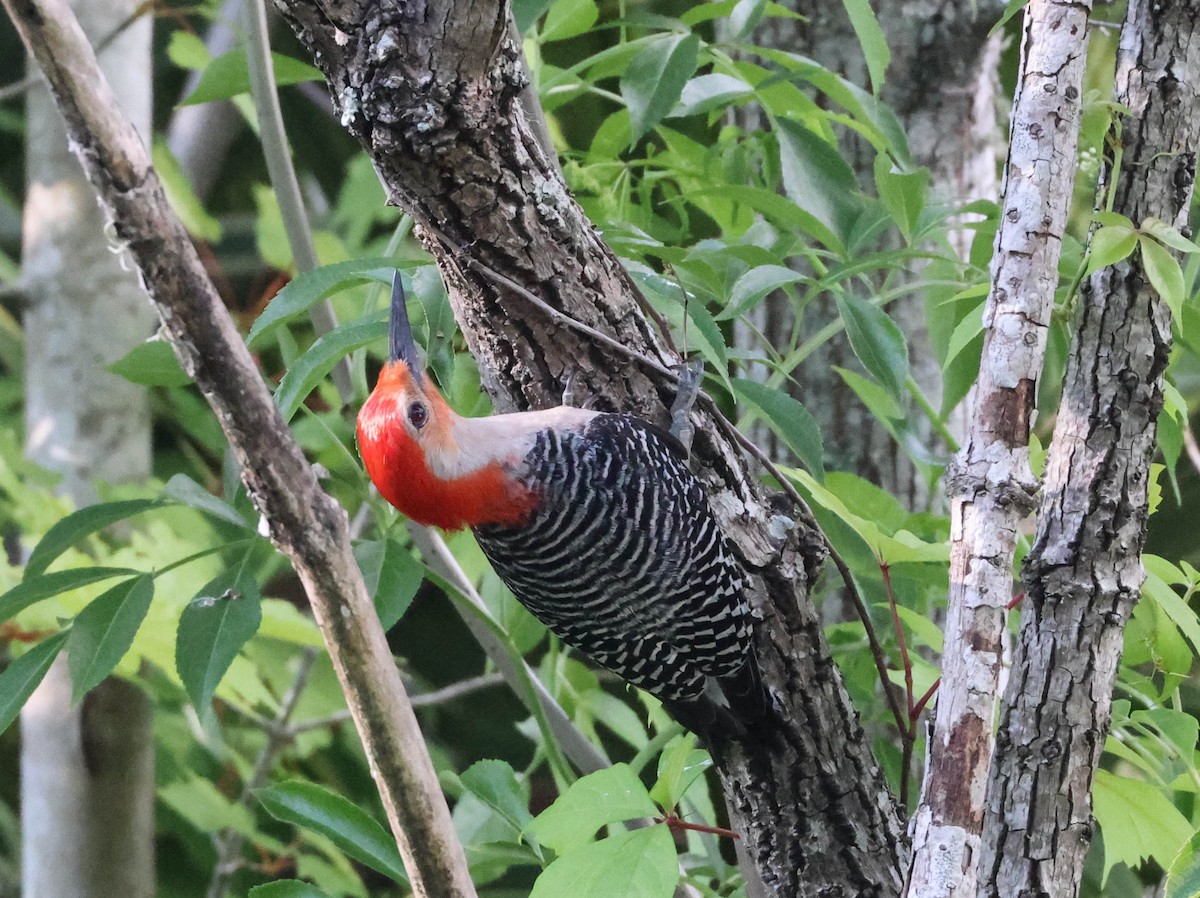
point(432, 91)
point(87, 772)
point(990, 483)
point(1084, 573)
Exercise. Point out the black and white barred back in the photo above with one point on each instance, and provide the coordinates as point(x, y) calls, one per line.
point(624, 560)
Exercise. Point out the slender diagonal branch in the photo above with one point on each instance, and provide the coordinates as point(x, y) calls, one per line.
point(304, 522)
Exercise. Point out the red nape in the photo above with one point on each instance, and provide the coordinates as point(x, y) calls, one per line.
point(397, 466)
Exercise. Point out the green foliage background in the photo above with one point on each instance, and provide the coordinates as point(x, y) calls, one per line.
point(191, 602)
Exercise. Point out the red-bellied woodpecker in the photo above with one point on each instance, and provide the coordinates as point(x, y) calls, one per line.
point(593, 519)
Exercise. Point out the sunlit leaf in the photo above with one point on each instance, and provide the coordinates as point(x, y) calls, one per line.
point(612, 795)
point(79, 525)
point(637, 864)
point(212, 630)
point(1108, 246)
point(1165, 276)
point(20, 678)
point(104, 631)
point(1137, 820)
point(228, 75)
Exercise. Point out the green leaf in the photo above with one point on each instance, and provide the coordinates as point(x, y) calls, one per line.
point(926, 631)
point(31, 590)
point(20, 678)
point(707, 92)
point(903, 194)
point(286, 888)
point(655, 78)
point(183, 489)
point(104, 631)
point(612, 795)
point(637, 864)
point(181, 196)
point(1137, 820)
point(151, 364)
point(227, 76)
point(212, 630)
point(310, 369)
point(877, 341)
point(1168, 236)
point(79, 525)
point(879, 402)
point(744, 18)
point(870, 36)
point(310, 287)
point(756, 283)
point(1165, 276)
point(1179, 728)
point(187, 50)
point(817, 179)
point(1014, 7)
point(892, 549)
point(392, 577)
point(788, 418)
point(496, 785)
point(1172, 604)
point(680, 765)
point(527, 12)
point(966, 333)
point(1183, 879)
point(348, 826)
point(1109, 245)
point(569, 18)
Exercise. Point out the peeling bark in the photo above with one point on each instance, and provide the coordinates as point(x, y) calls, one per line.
point(990, 484)
point(1084, 573)
point(432, 91)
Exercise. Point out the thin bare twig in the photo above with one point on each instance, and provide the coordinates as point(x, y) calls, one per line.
point(229, 842)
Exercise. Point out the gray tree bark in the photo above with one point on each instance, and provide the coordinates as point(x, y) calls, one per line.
point(87, 772)
point(990, 482)
point(432, 91)
point(1084, 573)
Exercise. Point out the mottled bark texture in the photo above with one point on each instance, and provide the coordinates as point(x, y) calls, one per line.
point(431, 89)
point(304, 522)
point(990, 483)
point(1084, 572)
point(943, 83)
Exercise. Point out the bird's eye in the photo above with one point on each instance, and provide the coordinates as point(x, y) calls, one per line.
point(418, 414)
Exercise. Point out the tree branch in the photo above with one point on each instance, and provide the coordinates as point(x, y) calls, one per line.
point(304, 522)
point(990, 483)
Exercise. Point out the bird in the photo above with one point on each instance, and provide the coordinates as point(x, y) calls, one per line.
point(594, 521)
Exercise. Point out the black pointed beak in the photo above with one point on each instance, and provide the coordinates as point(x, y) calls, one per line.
point(402, 346)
